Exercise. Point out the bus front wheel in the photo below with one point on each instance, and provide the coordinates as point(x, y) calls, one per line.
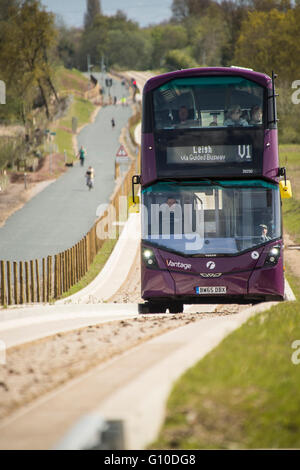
point(176, 307)
point(158, 307)
point(152, 307)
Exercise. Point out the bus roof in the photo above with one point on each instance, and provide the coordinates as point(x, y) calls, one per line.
point(260, 78)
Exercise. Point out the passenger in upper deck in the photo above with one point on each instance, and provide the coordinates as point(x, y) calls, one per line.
point(256, 116)
point(234, 117)
point(183, 114)
point(184, 118)
point(214, 122)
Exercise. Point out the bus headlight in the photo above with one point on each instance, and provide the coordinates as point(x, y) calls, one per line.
point(273, 256)
point(148, 257)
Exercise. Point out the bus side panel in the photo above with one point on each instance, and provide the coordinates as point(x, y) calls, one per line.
point(148, 163)
point(269, 281)
point(156, 284)
point(270, 157)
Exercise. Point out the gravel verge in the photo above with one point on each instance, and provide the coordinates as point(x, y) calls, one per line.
point(36, 368)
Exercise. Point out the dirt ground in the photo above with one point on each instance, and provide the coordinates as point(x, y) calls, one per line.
point(292, 256)
point(130, 291)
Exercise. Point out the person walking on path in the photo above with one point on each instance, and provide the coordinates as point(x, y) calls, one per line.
point(113, 124)
point(90, 177)
point(82, 155)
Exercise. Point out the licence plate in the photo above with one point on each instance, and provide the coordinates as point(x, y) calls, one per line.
point(211, 290)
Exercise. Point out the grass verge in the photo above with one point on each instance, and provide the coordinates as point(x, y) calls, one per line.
point(290, 158)
point(95, 268)
point(82, 110)
point(245, 393)
point(70, 82)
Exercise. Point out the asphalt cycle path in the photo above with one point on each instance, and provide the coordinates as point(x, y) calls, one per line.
point(58, 217)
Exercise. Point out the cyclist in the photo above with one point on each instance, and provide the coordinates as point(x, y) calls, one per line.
point(90, 177)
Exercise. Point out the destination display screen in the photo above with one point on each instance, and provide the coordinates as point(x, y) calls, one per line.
point(210, 154)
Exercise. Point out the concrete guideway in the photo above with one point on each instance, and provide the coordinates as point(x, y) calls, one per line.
point(35, 323)
point(132, 387)
point(116, 269)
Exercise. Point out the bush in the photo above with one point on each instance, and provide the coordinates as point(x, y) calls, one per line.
point(179, 59)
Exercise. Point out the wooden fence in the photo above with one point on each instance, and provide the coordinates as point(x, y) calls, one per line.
point(48, 279)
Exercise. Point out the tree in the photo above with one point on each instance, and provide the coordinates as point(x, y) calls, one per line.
point(270, 41)
point(166, 38)
point(183, 8)
point(93, 9)
point(27, 37)
point(180, 9)
point(179, 59)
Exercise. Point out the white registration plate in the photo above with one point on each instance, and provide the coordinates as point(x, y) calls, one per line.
point(211, 290)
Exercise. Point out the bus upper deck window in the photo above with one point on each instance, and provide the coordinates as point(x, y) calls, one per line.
point(210, 101)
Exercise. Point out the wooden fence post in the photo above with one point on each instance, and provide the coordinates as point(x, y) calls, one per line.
point(3, 284)
point(8, 270)
point(88, 250)
point(55, 277)
point(16, 284)
point(65, 272)
point(59, 276)
point(49, 275)
point(72, 267)
point(48, 278)
point(85, 255)
point(32, 281)
point(21, 274)
point(62, 266)
point(82, 257)
point(44, 280)
point(27, 290)
point(37, 273)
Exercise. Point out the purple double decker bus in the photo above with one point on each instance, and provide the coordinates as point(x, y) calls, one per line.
point(210, 196)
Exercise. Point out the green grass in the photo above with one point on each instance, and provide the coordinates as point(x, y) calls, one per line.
point(290, 158)
point(245, 393)
point(95, 268)
point(80, 108)
point(63, 140)
point(70, 80)
point(291, 218)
